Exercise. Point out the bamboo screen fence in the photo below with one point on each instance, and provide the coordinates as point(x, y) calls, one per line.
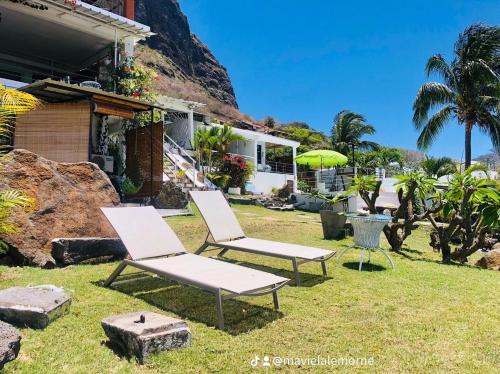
point(145, 158)
point(58, 132)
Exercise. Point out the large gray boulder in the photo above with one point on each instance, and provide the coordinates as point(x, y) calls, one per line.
point(10, 343)
point(35, 307)
point(142, 333)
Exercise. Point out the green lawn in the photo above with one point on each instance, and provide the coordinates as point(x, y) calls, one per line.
point(424, 317)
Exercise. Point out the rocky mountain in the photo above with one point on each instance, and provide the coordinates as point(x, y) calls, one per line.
point(186, 57)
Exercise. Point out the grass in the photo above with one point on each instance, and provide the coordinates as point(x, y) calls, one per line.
point(423, 317)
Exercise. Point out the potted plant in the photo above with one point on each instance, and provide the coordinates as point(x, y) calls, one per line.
point(332, 215)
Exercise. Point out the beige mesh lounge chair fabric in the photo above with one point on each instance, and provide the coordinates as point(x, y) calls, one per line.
point(228, 234)
point(154, 247)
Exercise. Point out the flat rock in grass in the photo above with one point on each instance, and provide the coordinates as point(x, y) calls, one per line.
point(142, 333)
point(34, 307)
point(10, 343)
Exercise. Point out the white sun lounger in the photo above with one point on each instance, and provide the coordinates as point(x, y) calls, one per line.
point(227, 234)
point(154, 247)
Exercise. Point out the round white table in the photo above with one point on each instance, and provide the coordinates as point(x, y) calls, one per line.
point(367, 230)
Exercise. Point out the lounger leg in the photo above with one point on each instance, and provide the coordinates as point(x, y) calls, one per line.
point(362, 258)
point(323, 267)
point(223, 252)
point(296, 271)
point(276, 300)
point(115, 273)
point(369, 255)
point(220, 313)
point(202, 248)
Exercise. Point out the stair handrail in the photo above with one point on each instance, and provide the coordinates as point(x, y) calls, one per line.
point(183, 154)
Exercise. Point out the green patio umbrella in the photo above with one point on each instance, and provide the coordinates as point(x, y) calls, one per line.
point(321, 158)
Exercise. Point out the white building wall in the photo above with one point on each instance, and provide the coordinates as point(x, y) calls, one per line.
point(265, 182)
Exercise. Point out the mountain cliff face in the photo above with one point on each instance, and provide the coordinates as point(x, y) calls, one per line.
point(190, 57)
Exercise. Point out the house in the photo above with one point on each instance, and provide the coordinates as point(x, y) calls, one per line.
point(185, 117)
point(67, 54)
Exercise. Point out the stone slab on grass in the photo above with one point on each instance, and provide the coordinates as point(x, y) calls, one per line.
point(10, 343)
point(34, 307)
point(155, 333)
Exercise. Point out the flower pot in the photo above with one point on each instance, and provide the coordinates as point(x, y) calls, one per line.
point(333, 224)
point(234, 190)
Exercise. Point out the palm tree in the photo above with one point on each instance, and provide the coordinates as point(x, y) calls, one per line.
point(12, 103)
point(470, 91)
point(347, 131)
point(207, 141)
point(437, 167)
point(226, 136)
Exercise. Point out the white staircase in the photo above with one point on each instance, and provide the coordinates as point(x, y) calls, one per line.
point(181, 168)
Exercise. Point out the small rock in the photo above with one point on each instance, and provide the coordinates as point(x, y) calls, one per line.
point(10, 343)
point(142, 333)
point(35, 307)
point(491, 260)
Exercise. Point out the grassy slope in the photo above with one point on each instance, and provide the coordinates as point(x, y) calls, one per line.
point(424, 317)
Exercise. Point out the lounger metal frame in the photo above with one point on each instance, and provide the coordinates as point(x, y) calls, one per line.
point(220, 294)
point(296, 261)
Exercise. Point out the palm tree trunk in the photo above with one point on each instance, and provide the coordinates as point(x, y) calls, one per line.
point(468, 137)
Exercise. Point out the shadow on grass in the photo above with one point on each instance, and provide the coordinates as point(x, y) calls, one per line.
point(195, 304)
point(306, 279)
point(408, 256)
point(367, 266)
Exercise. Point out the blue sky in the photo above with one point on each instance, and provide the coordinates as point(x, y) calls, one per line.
point(300, 60)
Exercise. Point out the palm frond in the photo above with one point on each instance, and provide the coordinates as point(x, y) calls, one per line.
point(14, 102)
point(434, 126)
point(429, 96)
point(437, 64)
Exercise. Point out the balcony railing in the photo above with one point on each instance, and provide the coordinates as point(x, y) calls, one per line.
point(277, 168)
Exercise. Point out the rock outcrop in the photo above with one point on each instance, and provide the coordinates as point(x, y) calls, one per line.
point(67, 201)
point(174, 40)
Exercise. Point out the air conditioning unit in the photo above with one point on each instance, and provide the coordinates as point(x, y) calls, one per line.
point(104, 162)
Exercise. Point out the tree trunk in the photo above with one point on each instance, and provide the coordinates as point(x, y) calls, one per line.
point(468, 137)
point(393, 237)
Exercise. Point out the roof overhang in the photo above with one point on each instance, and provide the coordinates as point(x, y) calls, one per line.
point(262, 137)
point(56, 92)
point(61, 36)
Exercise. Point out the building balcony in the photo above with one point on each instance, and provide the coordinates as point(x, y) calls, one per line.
point(58, 40)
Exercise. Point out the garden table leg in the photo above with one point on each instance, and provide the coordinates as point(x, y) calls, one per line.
point(361, 259)
point(388, 258)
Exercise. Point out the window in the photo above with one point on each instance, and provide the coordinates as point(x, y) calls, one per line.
point(259, 153)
